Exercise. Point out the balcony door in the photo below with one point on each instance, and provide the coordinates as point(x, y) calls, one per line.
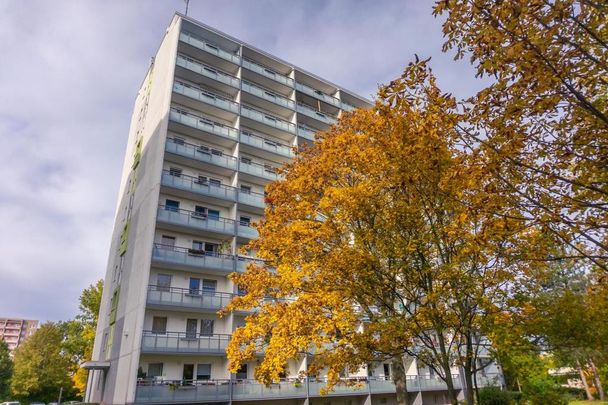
point(188, 373)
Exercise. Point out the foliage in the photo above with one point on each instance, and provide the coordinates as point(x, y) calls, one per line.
point(41, 367)
point(494, 396)
point(6, 369)
point(542, 390)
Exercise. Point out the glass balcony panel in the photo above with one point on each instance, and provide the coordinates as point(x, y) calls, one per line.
point(242, 262)
point(266, 144)
point(150, 391)
point(247, 64)
point(318, 115)
point(195, 220)
point(196, 152)
point(206, 70)
point(176, 342)
point(188, 257)
point(267, 119)
point(253, 199)
point(208, 47)
point(259, 170)
point(202, 123)
point(251, 389)
point(306, 132)
point(187, 298)
point(267, 95)
point(317, 94)
point(194, 185)
point(248, 232)
point(205, 96)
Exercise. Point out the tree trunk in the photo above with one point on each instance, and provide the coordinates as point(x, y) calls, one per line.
point(447, 369)
point(400, 380)
point(597, 381)
point(468, 380)
point(584, 380)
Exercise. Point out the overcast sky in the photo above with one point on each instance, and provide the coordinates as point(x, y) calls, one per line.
point(69, 73)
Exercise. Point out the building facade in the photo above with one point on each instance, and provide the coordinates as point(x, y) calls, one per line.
point(15, 331)
point(213, 120)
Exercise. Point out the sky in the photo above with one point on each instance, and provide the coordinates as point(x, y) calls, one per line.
point(69, 74)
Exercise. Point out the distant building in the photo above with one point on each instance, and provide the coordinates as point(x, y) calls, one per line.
point(15, 331)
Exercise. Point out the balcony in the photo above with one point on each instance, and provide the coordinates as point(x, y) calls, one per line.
point(267, 95)
point(200, 154)
point(247, 231)
point(177, 218)
point(184, 342)
point(255, 200)
point(265, 144)
point(316, 114)
point(205, 70)
point(268, 120)
point(265, 172)
point(187, 299)
point(194, 123)
point(319, 95)
point(190, 259)
point(347, 107)
point(193, 96)
point(242, 262)
point(212, 49)
point(191, 391)
point(194, 185)
point(269, 73)
point(306, 132)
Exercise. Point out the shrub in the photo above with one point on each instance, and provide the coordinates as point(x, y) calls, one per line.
point(494, 396)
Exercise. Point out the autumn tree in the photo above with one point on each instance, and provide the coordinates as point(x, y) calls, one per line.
point(544, 121)
point(386, 218)
point(40, 366)
point(6, 370)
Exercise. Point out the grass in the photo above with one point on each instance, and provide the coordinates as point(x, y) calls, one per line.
point(588, 403)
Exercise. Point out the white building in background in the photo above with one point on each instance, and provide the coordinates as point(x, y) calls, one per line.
point(14, 331)
point(212, 121)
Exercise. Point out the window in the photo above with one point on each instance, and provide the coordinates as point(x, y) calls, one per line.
point(172, 205)
point(215, 182)
point(269, 169)
point(203, 372)
point(175, 171)
point(195, 285)
point(202, 180)
point(198, 245)
point(178, 141)
point(163, 282)
point(209, 286)
point(200, 211)
point(155, 370)
point(245, 160)
point(188, 374)
point(167, 241)
point(159, 324)
point(217, 152)
point(241, 373)
point(241, 290)
point(207, 327)
point(245, 189)
point(203, 149)
point(213, 214)
point(245, 221)
point(191, 325)
point(387, 371)
point(211, 248)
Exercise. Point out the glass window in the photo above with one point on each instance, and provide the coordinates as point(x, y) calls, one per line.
point(209, 286)
point(195, 285)
point(175, 171)
point(167, 241)
point(211, 248)
point(163, 282)
point(202, 180)
point(203, 149)
point(215, 182)
point(217, 152)
point(191, 325)
point(245, 160)
point(203, 372)
point(241, 373)
point(200, 211)
point(178, 141)
point(245, 189)
point(197, 245)
point(155, 370)
point(213, 214)
point(207, 327)
point(172, 205)
point(159, 324)
point(245, 221)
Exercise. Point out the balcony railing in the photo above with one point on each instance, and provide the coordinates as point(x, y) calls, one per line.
point(271, 74)
point(317, 94)
point(247, 231)
point(316, 114)
point(176, 255)
point(204, 124)
point(183, 342)
point(252, 199)
point(169, 391)
point(266, 144)
point(242, 262)
point(267, 119)
point(206, 70)
point(267, 95)
point(205, 96)
point(179, 147)
point(195, 220)
point(306, 132)
point(185, 297)
point(196, 185)
point(200, 43)
point(347, 107)
point(259, 170)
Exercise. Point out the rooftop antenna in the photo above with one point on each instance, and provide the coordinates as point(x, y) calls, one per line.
point(187, 4)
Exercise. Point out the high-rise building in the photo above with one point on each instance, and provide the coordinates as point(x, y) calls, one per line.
point(213, 120)
point(14, 331)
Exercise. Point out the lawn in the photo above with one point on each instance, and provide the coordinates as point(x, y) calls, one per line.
point(588, 403)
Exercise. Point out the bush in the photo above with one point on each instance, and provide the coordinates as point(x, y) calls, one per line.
point(494, 396)
point(543, 391)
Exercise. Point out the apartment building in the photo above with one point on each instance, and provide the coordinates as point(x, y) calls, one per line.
point(213, 120)
point(14, 331)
